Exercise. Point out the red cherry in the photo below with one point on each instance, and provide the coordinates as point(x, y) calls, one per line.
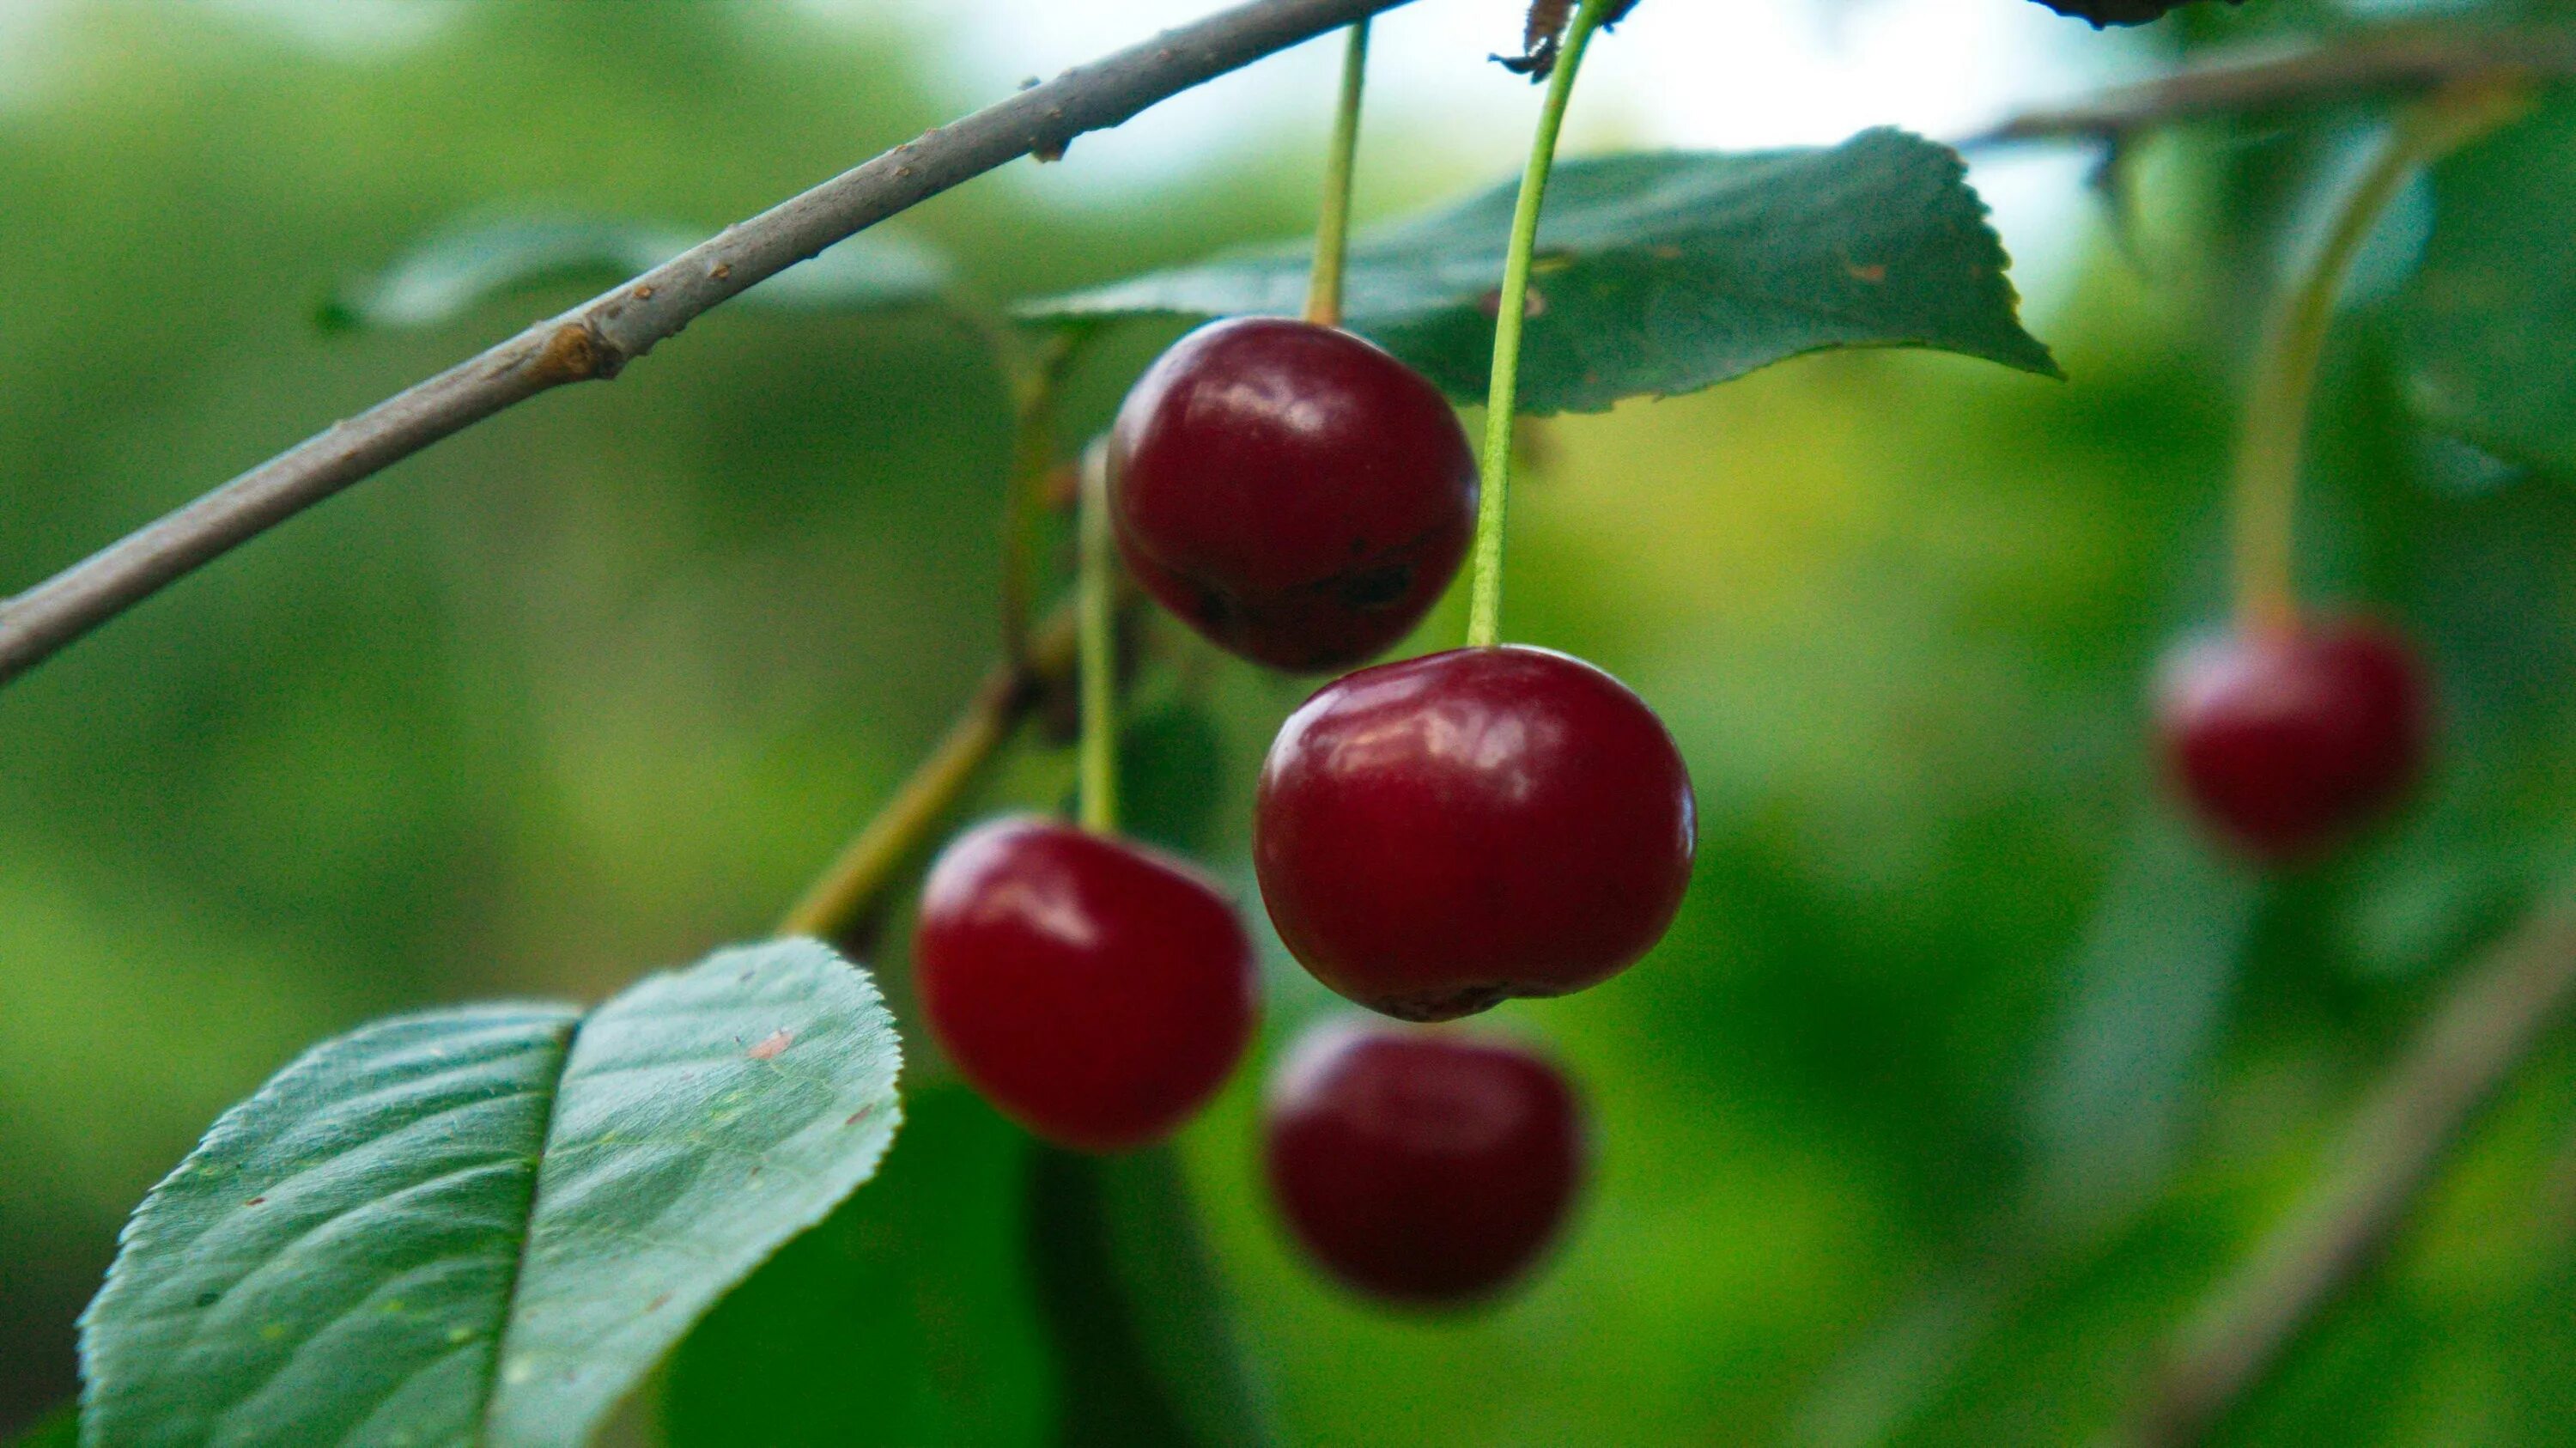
point(1296, 494)
point(1098, 993)
point(1427, 1167)
point(2288, 739)
point(1435, 835)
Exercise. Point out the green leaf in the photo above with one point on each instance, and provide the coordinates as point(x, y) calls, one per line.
point(485, 1224)
point(478, 261)
point(904, 1318)
point(2486, 322)
point(1145, 1345)
point(1657, 273)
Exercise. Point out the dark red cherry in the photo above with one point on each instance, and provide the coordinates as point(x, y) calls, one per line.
point(1296, 494)
point(2288, 739)
point(1428, 1167)
point(1098, 993)
point(1435, 835)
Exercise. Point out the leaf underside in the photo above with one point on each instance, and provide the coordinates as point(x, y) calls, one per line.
point(484, 1225)
point(1656, 273)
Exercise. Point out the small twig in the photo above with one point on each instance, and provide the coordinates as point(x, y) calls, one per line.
point(601, 336)
point(2487, 1026)
point(2394, 59)
point(850, 895)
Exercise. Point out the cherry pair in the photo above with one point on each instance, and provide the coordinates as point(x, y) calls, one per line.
point(1099, 994)
point(1435, 835)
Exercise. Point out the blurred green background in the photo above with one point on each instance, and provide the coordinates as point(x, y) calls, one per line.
point(1966, 1069)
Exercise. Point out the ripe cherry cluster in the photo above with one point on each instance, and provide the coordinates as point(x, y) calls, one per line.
point(1436, 835)
point(1431, 836)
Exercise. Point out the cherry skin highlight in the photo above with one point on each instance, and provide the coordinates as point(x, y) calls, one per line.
point(1294, 493)
point(1425, 1167)
point(1436, 835)
point(2287, 740)
point(1096, 992)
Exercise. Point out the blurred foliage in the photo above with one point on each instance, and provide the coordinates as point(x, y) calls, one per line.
point(1963, 1073)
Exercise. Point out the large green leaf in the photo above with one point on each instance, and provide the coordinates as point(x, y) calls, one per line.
point(483, 1225)
point(1657, 273)
point(481, 260)
point(905, 1318)
point(2487, 320)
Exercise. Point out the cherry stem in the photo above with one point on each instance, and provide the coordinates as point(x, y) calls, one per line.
point(1096, 609)
point(1485, 612)
point(1035, 373)
point(1333, 229)
point(2276, 410)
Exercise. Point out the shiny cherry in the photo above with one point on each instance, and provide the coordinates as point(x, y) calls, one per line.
point(1428, 1167)
point(1294, 493)
point(1098, 993)
point(2287, 739)
point(1435, 835)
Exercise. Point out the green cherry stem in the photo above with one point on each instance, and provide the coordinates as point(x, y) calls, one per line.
point(1333, 229)
point(1096, 608)
point(1485, 611)
point(2276, 411)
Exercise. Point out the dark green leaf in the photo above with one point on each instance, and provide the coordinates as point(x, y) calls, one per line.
point(2487, 321)
point(1657, 273)
point(904, 1318)
point(475, 262)
point(1146, 1349)
point(485, 1224)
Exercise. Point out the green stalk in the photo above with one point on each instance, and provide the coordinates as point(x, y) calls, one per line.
point(1097, 629)
point(1485, 613)
point(1333, 229)
point(2276, 408)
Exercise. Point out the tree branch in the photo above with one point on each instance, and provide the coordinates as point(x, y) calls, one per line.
point(2483, 1030)
point(2390, 59)
point(601, 336)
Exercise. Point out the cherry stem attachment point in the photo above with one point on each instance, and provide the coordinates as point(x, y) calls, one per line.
point(1096, 606)
point(1485, 611)
point(1333, 229)
point(2276, 411)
